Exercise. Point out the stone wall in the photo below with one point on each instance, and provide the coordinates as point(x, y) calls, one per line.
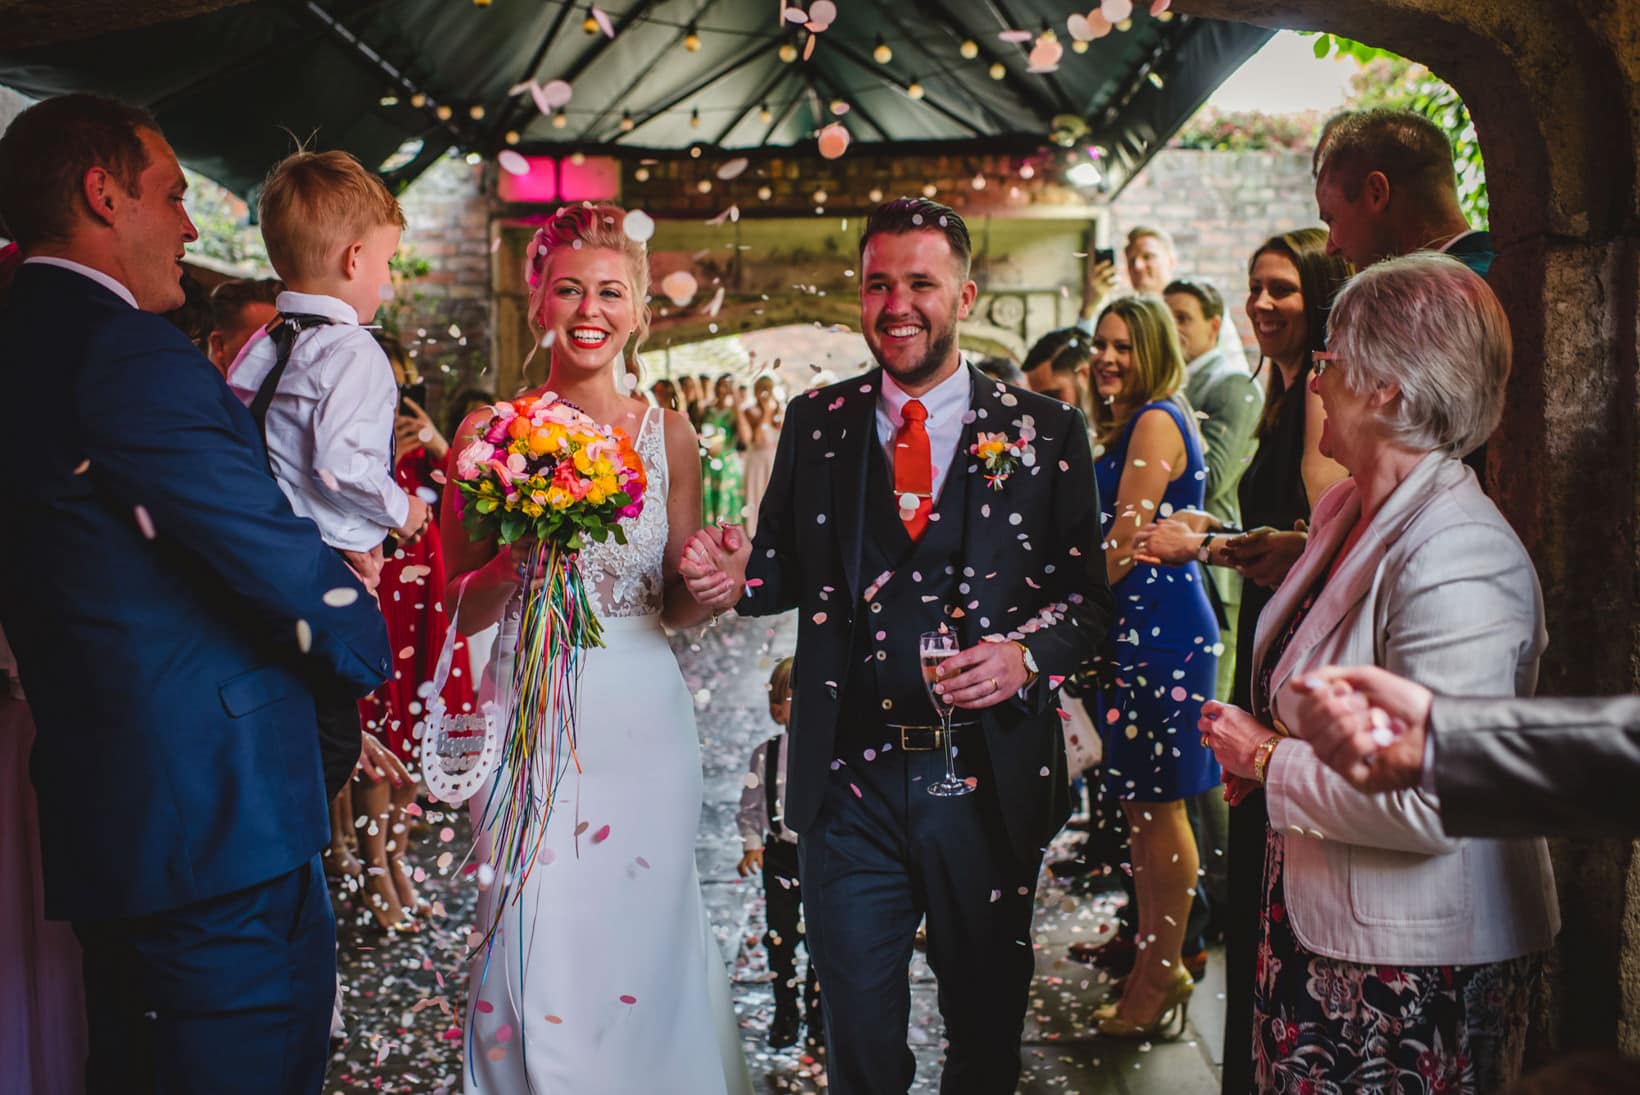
point(1218, 207)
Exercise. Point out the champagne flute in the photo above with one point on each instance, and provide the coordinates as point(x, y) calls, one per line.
point(932, 650)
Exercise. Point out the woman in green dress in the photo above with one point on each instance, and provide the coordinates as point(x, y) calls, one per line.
point(724, 434)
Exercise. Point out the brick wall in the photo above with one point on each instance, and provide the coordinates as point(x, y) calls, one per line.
point(1218, 207)
point(445, 316)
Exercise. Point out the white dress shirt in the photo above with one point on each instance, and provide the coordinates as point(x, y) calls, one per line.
point(112, 284)
point(330, 425)
point(947, 405)
point(753, 819)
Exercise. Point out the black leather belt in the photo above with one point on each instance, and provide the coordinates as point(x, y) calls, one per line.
point(914, 738)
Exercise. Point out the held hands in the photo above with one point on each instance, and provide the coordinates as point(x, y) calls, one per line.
point(414, 429)
point(713, 566)
point(982, 676)
point(751, 861)
point(1265, 555)
point(1364, 723)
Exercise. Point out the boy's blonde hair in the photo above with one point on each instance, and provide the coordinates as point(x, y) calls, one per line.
point(780, 681)
point(313, 204)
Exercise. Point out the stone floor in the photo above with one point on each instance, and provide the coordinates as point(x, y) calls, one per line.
point(405, 993)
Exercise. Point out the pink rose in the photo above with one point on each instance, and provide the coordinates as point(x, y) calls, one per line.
point(473, 457)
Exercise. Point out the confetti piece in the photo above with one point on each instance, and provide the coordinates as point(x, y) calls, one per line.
point(601, 835)
point(82, 467)
point(340, 597)
point(304, 636)
point(642, 862)
point(679, 287)
point(484, 1007)
point(733, 169)
point(627, 998)
point(145, 523)
point(1015, 36)
point(504, 1033)
point(603, 22)
point(512, 163)
point(638, 226)
point(834, 140)
point(554, 1020)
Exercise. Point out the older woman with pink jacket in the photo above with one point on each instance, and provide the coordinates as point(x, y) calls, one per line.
point(1392, 955)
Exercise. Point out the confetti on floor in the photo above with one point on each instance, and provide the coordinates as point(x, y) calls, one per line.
point(405, 999)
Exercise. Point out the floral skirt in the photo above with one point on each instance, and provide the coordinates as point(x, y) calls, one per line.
point(1325, 1027)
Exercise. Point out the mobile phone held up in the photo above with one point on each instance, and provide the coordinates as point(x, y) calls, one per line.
point(416, 392)
point(1105, 254)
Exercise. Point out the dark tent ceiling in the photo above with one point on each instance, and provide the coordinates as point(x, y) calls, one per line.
point(647, 77)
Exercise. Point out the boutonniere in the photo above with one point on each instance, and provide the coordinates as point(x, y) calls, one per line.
point(1000, 456)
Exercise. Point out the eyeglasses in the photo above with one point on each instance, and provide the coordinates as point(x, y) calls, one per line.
point(1322, 360)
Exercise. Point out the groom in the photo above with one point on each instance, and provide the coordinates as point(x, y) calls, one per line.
point(878, 525)
point(171, 617)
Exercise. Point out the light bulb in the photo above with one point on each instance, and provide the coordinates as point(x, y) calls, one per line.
point(560, 120)
point(764, 115)
point(764, 193)
point(512, 136)
point(882, 54)
point(876, 194)
point(788, 53)
point(691, 40)
point(474, 159)
point(915, 90)
point(475, 112)
point(641, 175)
point(969, 49)
point(1078, 45)
point(704, 186)
point(626, 121)
point(694, 119)
point(418, 100)
point(590, 25)
point(998, 70)
point(443, 112)
point(389, 100)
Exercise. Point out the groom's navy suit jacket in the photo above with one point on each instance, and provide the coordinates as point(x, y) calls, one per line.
point(1038, 576)
point(167, 609)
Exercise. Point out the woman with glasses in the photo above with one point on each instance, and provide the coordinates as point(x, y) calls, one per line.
point(1388, 949)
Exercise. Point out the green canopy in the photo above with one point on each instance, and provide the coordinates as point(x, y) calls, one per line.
point(400, 82)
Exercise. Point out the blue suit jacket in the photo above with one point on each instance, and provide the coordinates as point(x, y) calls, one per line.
point(177, 756)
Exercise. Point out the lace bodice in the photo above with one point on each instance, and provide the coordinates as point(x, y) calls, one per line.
point(629, 581)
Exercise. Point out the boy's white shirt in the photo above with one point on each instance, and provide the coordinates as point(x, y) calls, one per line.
point(330, 425)
point(753, 817)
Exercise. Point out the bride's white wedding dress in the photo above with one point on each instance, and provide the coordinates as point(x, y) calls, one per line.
point(605, 977)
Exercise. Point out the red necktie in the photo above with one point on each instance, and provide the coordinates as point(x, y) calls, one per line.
point(913, 470)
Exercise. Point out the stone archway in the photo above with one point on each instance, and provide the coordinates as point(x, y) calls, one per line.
point(1554, 90)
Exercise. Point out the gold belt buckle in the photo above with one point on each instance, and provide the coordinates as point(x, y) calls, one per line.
point(906, 745)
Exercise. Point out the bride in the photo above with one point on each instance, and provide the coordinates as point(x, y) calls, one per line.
point(604, 976)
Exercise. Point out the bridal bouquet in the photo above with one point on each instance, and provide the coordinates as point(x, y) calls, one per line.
point(543, 475)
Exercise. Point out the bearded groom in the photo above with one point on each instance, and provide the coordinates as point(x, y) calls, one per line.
point(881, 523)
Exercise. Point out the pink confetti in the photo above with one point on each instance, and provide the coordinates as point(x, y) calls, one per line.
point(145, 523)
point(642, 862)
point(554, 1020)
point(503, 1033)
point(446, 834)
point(819, 617)
point(413, 809)
point(1015, 35)
point(627, 998)
point(484, 1007)
point(452, 1035)
point(1179, 694)
point(856, 791)
point(601, 835)
point(603, 22)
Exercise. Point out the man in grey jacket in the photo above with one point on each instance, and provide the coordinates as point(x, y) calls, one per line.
point(1500, 767)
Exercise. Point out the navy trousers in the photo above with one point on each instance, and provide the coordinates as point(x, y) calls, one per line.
point(881, 855)
point(230, 996)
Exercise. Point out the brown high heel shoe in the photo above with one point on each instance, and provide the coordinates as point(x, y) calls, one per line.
point(1170, 1017)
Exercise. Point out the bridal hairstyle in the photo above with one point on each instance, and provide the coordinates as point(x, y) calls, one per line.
point(600, 226)
point(1158, 363)
point(1320, 276)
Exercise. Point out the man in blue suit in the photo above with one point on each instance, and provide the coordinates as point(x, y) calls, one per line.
point(171, 619)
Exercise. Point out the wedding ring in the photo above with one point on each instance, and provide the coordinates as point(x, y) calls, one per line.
point(994, 685)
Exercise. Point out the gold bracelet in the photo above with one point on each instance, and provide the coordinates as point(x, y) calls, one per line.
point(1261, 757)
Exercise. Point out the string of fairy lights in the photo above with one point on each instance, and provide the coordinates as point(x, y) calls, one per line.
point(799, 32)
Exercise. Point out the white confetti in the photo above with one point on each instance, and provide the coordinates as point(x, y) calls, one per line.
point(341, 596)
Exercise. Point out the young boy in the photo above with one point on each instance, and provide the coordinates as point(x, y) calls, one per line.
point(772, 848)
point(321, 388)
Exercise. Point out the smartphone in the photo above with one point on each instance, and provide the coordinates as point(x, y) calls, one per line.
point(416, 392)
point(1105, 254)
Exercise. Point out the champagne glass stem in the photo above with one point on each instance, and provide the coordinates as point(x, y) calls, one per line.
point(950, 749)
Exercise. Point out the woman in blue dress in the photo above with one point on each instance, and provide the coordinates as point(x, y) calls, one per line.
point(1161, 662)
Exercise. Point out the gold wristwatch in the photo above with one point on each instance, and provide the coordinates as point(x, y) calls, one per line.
point(1030, 663)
